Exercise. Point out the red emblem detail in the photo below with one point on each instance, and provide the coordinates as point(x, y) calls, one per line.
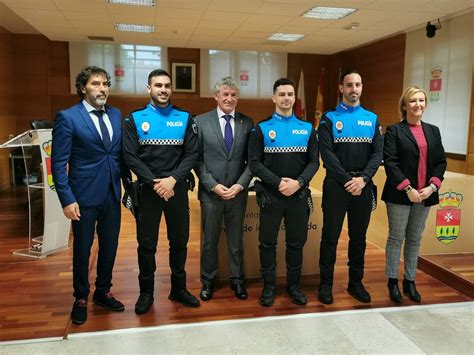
point(435, 84)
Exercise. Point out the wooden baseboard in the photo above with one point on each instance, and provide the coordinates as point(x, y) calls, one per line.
point(446, 276)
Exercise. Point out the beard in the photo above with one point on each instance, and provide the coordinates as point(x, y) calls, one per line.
point(101, 100)
point(352, 97)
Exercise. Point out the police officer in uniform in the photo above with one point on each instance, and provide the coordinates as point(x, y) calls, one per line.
point(283, 154)
point(351, 150)
point(160, 147)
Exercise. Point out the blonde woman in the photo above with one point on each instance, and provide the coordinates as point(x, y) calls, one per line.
point(415, 163)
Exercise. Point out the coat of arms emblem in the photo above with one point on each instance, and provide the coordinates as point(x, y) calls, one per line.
point(448, 218)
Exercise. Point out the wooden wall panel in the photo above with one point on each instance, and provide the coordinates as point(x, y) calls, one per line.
point(31, 55)
point(58, 68)
point(381, 65)
point(8, 88)
point(7, 75)
point(312, 65)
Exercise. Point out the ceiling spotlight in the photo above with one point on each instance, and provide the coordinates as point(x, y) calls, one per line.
point(431, 29)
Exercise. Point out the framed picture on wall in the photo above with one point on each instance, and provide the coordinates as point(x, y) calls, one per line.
point(183, 77)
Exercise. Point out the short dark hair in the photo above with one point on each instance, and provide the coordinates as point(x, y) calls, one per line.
point(83, 77)
point(283, 81)
point(157, 72)
point(348, 72)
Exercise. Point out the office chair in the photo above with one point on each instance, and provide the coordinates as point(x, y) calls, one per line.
point(40, 124)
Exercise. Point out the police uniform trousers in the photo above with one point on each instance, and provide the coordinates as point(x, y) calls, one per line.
point(232, 212)
point(335, 204)
point(176, 210)
point(106, 219)
point(294, 211)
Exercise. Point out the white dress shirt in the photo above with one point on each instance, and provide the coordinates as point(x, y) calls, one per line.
point(222, 121)
point(95, 119)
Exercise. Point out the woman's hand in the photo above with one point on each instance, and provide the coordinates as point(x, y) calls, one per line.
point(414, 196)
point(426, 192)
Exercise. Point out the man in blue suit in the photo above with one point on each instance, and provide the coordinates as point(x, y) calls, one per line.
point(86, 167)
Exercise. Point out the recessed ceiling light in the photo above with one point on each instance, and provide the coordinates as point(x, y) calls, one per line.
point(329, 13)
point(126, 27)
point(133, 2)
point(289, 37)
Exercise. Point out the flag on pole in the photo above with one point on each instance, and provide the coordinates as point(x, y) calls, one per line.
point(300, 105)
point(319, 100)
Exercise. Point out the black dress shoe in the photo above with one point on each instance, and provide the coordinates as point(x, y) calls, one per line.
point(409, 289)
point(240, 291)
point(144, 303)
point(325, 294)
point(79, 311)
point(296, 295)
point(207, 291)
point(268, 295)
point(359, 293)
point(184, 297)
point(394, 292)
point(108, 301)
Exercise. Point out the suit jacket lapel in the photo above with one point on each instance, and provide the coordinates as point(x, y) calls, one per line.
point(215, 123)
point(428, 136)
point(88, 121)
point(406, 130)
point(237, 130)
point(115, 122)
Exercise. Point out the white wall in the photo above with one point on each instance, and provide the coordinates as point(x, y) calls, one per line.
point(451, 49)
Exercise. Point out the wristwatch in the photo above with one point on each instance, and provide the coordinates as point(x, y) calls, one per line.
point(407, 189)
point(433, 187)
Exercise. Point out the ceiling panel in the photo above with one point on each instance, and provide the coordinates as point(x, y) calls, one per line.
point(243, 24)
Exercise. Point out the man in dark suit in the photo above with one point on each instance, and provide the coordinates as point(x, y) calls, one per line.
point(86, 168)
point(224, 177)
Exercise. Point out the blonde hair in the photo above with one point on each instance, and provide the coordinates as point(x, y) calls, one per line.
point(407, 94)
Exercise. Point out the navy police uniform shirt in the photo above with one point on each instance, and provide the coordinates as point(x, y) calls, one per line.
point(160, 142)
point(350, 142)
point(283, 147)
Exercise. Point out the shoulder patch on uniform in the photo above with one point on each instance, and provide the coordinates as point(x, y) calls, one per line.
point(145, 126)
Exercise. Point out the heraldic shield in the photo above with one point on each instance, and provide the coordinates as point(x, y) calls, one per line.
point(448, 218)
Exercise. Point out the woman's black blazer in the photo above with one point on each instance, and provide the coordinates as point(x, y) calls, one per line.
point(401, 155)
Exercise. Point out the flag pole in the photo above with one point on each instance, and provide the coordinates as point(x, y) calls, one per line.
point(300, 104)
point(319, 109)
point(338, 82)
